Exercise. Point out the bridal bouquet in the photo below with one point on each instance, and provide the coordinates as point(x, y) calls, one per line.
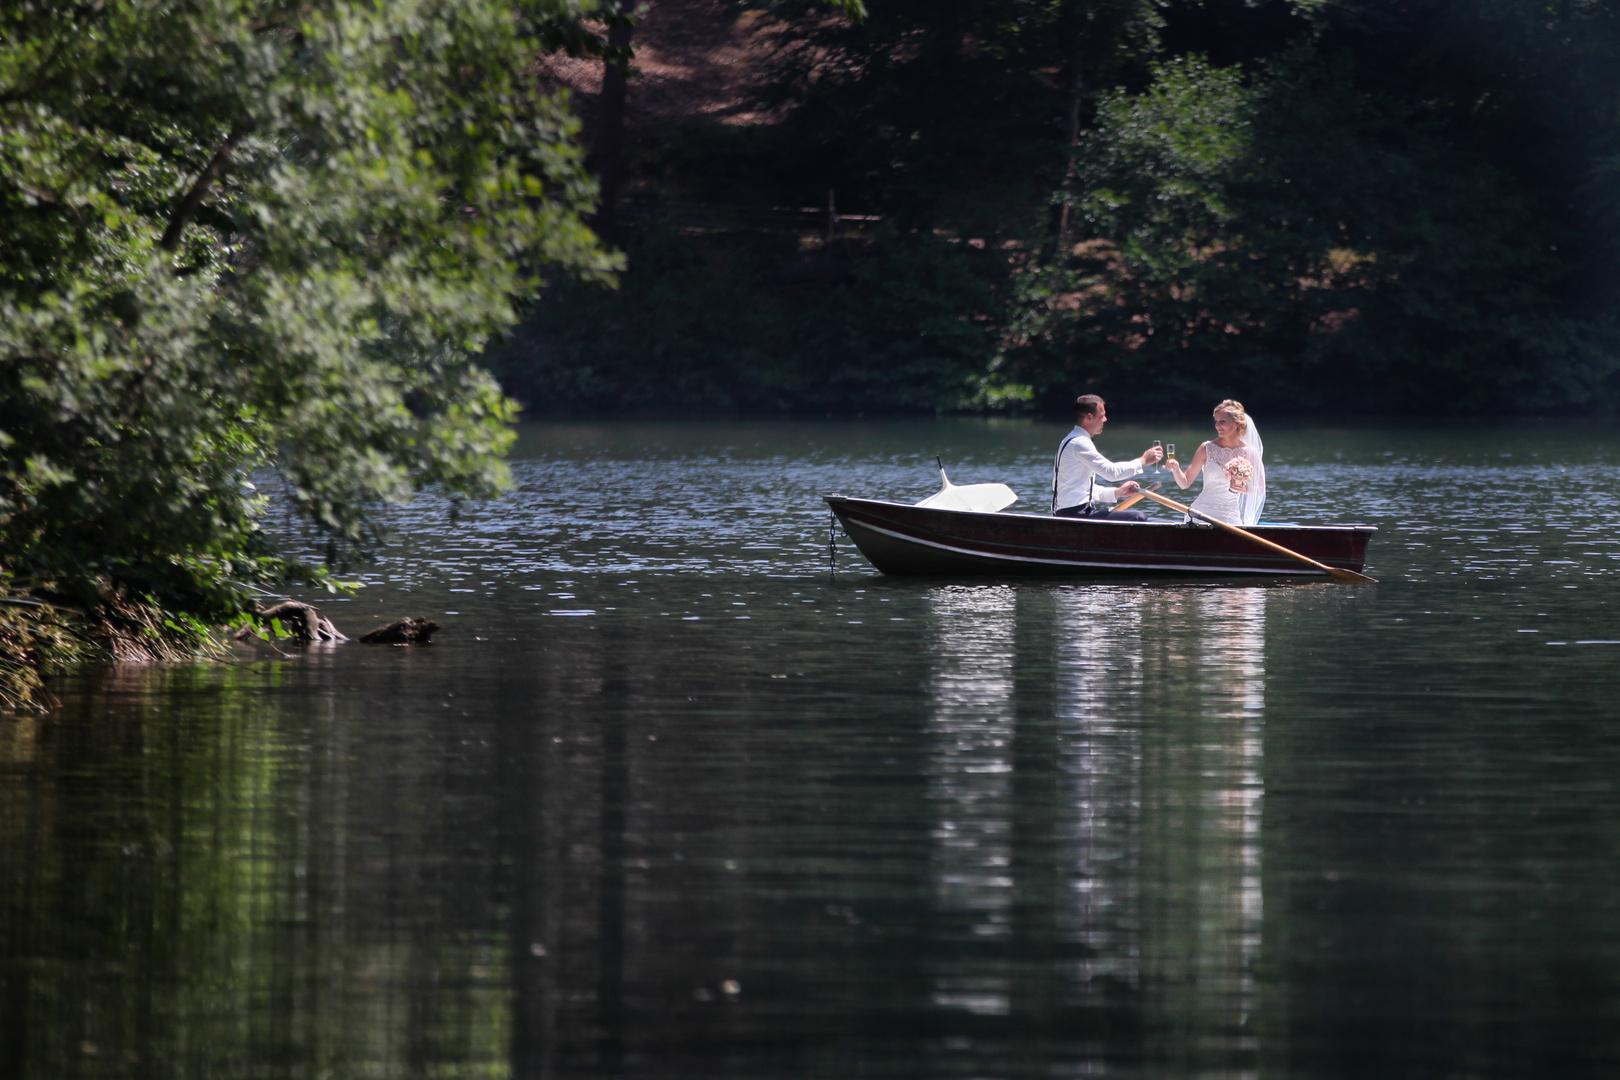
point(1238, 474)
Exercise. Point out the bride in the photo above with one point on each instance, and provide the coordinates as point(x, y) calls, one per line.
point(1234, 472)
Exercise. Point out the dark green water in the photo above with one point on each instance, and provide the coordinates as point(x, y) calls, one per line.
point(667, 800)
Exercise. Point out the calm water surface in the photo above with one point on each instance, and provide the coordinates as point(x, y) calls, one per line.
point(667, 799)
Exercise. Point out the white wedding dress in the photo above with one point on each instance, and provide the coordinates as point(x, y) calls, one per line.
point(1226, 498)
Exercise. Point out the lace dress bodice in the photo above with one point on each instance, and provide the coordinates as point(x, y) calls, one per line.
point(1218, 498)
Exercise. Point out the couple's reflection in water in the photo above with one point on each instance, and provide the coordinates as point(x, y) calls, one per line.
point(1095, 777)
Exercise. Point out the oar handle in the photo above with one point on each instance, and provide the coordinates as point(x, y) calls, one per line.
point(1331, 571)
point(1134, 499)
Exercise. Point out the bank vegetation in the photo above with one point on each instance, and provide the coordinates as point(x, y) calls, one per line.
point(1386, 206)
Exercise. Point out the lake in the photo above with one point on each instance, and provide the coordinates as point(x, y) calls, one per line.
point(677, 792)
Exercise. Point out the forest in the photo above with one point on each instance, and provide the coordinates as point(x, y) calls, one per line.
point(1317, 206)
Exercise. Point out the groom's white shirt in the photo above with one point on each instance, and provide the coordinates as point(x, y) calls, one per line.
point(1077, 464)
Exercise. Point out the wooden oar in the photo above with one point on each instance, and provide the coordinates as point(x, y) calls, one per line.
point(1134, 499)
point(1331, 571)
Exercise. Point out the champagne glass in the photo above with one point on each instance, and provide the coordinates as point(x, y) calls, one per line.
point(1157, 445)
point(1170, 454)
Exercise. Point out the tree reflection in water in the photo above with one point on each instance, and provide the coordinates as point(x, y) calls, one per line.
point(1027, 836)
point(197, 885)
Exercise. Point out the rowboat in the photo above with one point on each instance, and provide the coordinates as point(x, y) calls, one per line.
point(898, 538)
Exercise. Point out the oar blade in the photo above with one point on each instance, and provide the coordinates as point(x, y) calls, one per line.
point(984, 498)
point(988, 498)
point(944, 499)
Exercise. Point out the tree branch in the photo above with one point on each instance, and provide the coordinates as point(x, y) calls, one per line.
point(199, 189)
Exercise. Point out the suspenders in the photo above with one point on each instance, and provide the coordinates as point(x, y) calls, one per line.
point(1056, 462)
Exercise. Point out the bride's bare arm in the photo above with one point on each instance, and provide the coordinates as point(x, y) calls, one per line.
point(1185, 479)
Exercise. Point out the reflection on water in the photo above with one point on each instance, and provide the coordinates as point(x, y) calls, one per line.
point(971, 782)
point(1101, 667)
point(703, 810)
point(1126, 851)
point(203, 891)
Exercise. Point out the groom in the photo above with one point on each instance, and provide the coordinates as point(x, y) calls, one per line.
point(1075, 491)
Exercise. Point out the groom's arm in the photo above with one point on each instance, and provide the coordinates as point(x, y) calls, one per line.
point(1105, 469)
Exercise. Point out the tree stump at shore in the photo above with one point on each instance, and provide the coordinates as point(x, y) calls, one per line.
point(301, 621)
point(406, 631)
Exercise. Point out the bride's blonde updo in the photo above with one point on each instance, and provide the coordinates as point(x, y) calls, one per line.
point(1234, 409)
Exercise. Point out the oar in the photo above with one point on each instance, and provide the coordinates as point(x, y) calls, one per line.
point(1331, 571)
point(1134, 499)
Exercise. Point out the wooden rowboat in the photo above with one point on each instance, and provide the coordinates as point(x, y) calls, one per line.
point(902, 539)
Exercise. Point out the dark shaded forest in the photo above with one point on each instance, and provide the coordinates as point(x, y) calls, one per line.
point(1379, 206)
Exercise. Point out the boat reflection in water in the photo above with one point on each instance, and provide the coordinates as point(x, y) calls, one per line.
point(1097, 873)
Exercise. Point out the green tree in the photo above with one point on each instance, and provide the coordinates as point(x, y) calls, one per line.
point(1288, 237)
point(235, 234)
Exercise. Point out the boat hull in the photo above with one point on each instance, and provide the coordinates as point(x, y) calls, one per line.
point(901, 539)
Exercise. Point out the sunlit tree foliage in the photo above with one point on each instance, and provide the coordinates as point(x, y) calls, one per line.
point(235, 234)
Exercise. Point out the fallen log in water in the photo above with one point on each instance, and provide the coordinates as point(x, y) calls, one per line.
point(406, 631)
point(299, 621)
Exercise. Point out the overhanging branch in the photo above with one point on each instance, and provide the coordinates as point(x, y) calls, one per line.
point(199, 189)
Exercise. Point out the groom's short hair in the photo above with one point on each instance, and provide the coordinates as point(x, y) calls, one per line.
point(1086, 405)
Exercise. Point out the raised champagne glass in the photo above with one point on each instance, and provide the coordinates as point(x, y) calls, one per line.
point(1170, 454)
